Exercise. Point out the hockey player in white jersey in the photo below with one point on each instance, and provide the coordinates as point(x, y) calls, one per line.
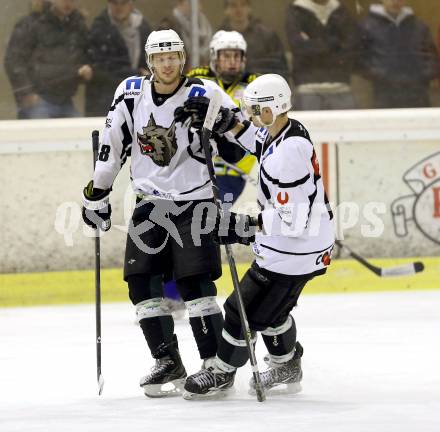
point(170, 177)
point(294, 239)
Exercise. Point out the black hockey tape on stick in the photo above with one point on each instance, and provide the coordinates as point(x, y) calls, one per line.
point(211, 115)
point(95, 146)
point(400, 270)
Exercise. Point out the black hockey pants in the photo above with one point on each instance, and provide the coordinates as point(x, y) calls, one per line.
point(268, 299)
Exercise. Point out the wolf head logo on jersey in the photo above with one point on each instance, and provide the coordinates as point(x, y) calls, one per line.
point(158, 142)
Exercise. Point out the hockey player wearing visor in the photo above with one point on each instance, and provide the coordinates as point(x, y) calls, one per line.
point(170, 177)
point(293, 240)
point(228, 69)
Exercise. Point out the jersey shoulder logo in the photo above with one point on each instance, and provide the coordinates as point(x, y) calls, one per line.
point(158, 142)
point(133, 83)
point(133, 86)
point(196, 91)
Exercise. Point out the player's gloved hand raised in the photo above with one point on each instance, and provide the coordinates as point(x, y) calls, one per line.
point(233, 228)
point(195, 109)
point(96, 209)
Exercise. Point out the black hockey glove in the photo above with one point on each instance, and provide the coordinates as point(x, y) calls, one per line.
point(235, 228)
point(195, 109)
point(96, 209)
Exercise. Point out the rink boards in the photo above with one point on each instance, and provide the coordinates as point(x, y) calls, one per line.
point(71, 287)
point(381, 169)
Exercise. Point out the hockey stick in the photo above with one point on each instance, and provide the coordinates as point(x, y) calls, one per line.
point(211, 115)
point(400, 270)
point(95, 143)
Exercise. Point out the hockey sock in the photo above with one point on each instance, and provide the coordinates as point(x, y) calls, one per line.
point(154, 317)
point(280, 341)
point(206, 321)
point(157, 324)
point(205, 316)
point(232, 349)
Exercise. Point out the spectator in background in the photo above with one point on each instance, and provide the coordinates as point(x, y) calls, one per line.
point(37, 7)
point(116, 50)
point(46, 61)
point(180, 21)
point(227, 68)
point(324, 39)
point(265, 50)
point(438, 38)
point(398, 55)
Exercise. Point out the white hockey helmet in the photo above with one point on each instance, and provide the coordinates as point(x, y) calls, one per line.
point(162, 41)
point(267, 91)
point(223, 40)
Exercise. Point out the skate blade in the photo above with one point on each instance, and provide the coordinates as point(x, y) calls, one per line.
point(279, 389)
point(169, 389)
point(211, 395)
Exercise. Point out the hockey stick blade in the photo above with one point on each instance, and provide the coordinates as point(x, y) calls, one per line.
point(403, 270)
point(400, 270)
point(213, 109)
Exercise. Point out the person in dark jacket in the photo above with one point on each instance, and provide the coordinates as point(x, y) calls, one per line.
point(37, 7)
point(324, 40)
point(265, 51)
point(438, 37)
point(398, 55)
point(180, 21)
point(46, 60)
point(116, 50)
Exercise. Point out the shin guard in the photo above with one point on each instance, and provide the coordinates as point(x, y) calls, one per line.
point(280, 341)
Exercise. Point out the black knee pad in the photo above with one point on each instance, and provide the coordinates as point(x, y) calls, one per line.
point(280, 341)
point(143, 287)
point(254, 288)
point(268, 298)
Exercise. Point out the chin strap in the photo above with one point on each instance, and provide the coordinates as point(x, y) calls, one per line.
point(265, 124)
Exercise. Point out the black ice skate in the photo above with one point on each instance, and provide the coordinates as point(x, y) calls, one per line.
point(167, 376)
point(285, 377)
point(208, 382)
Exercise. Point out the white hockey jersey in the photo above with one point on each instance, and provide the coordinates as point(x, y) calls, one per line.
point(167, 159)
point(298, 232)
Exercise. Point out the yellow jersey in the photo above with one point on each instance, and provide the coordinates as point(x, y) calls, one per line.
point(235, 91)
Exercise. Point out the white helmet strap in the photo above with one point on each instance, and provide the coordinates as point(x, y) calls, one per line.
point(256, 109)
point(262, 123)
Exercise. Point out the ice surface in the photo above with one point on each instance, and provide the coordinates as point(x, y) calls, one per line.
point(371, 363)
